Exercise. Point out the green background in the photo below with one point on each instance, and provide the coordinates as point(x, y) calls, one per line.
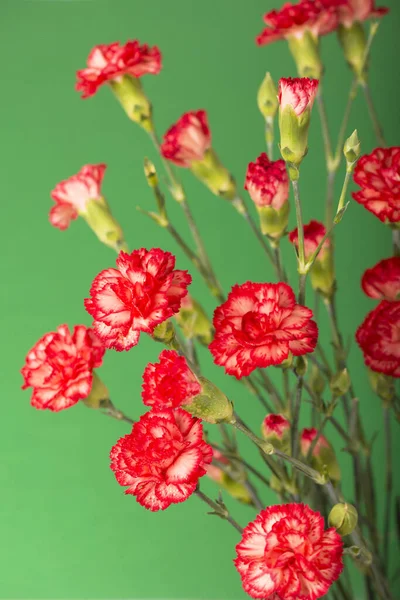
point(67, 529)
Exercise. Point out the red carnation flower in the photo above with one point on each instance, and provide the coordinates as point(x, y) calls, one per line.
point(59, 367)
point(383, 280)
point(111, 61)
point(285, 553)
point(379, 338)
point(306, 439)
point(275, 426)
point(258, 326)
point(297, 92)
point(359, 10)
point(141, 293)
point(378, 175)
point(169, 383)
point(72, 195)
point(162, 459)
point(267, 182)
point(317, 16)
point(313, 234)
point(188, 139)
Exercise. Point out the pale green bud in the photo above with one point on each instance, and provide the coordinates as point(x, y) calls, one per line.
point(214, 175)
point(343, 517)
point(340, 383)
point(352, 148)
point(211, 405)
point(354, 43)
point(267, 97)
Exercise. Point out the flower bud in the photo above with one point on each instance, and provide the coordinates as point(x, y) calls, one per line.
point(276, 429)
point(234, 487)
point(383, 385)
point(354, 43)
point(316, 381)
point(323, 457)
point(296, 98)
point(267, 97)
point(129, 92)
point(340, 383)
point(352, 148)
point(164, 332)
point(98, 396)
point(305, 52)
point(211, 172)
point(194, 322)
point(211, 405)
point(150, 173)
point(343, 517)
point(301, 366)
point(98, 216)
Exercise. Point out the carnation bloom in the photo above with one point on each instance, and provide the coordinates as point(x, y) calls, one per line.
point(59, 367)
point(319, 17)
point(141, 293)
point(162, 459)
point(378, 175)
point(169, 383)
point(267, 182)
point(275, 425)
point(306, 439)
point(383, 280)
point(297, 92)
point(73, 194)
point(359, 10)
point(379, 339)
point(108, 62)
point(313, 235)
point(259, 325)
point(188, 139)
point(285, 554)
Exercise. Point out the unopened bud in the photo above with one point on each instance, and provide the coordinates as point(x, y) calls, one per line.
point(211, 405)
point(267, 97)
point(340, 383)
point(129, 92)
point(194, 322)
point(323, 457)
point(301, 366)
point(343, 517)
point(98, 396)
point(98, 216)
point(383, 385)
point(316, 381)
point(354, 43)
point(150, 172)
point(214, 175)
point(275, 429)
point(352, 148)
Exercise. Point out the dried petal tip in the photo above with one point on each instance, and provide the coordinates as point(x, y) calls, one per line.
point(343, 517)
point(352, 148)
point(267, 97)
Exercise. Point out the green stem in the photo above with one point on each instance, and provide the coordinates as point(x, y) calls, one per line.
point(300, 228)
point(342, 131)
point(373, 115)
point(222, 512)
point(324, 125)
point(249, 383)
point(114, 413)
point(396, 242)
point(269, 136)
point(388, 486)
point(264, 244)
point(296, 418)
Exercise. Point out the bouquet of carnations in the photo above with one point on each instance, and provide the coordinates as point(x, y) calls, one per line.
point(190, 429)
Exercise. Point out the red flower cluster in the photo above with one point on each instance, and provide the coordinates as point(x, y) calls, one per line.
point(313, 235)
point(111, 61)
point(379, 338)
point(162, 459)
point(275, 425)
point(267, 182)
point(297, 92)
point(141, 293)
point(383, 280)
point(73, 194)
point(317, 16)
point(285, 553)
point(188, 139)
point(306, 439)
point(169, 383)
point(378, 175)
point(258, 326)
point(60, 366)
